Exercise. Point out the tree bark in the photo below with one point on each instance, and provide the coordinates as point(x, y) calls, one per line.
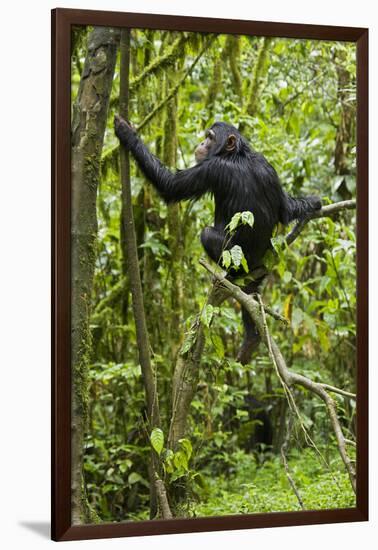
point(186, 375)
point(88, 128)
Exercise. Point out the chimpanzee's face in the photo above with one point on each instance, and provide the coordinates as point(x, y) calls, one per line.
point(205, 147)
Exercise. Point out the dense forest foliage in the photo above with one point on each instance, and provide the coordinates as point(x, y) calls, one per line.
point(294, 100)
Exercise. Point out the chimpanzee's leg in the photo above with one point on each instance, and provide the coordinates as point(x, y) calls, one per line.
point(213, 242)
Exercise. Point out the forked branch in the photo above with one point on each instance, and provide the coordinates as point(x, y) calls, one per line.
point(287, 377)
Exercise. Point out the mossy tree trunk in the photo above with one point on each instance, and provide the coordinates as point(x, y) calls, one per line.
point(216, 83)
point(233, 53)
point(88, 128)
point(259, 73)
point(174, 221)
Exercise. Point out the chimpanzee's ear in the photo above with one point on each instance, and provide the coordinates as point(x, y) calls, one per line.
point(231, 143)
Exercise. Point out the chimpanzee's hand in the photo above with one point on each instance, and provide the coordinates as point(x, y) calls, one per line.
point(315, 202)
point(124, 131)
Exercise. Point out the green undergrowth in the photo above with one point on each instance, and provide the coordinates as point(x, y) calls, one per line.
point(254, 488)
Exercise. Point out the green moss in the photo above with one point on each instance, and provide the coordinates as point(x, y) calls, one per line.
point(233, 51)
point(85, 250)
point(216, 83)
point(81, 351)
point(258, 74)
point(167, 59)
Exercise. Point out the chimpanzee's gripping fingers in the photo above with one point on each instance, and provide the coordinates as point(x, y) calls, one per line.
point(117, 122)
point(121, 127)
point(315, 202)
point(124, 131)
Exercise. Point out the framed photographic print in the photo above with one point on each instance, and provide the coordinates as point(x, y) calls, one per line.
point(210, 192)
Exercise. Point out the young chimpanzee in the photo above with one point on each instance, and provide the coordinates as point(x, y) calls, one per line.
point(239, 179)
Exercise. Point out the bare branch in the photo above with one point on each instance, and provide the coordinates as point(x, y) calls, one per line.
point(338, 390)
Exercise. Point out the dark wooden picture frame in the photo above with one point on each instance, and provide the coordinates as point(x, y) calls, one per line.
point(62, 20)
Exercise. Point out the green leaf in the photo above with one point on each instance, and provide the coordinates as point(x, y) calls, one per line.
point(186, 447)
point(157, 440)
point(278, 242)
point(350, 183)
point(188, 343)
point(207, 314)
point(270, 260)
point(168, 461)
point(236, 255)
point(244, 264)
point(134, 477)
point(168, 454)
point(199, 480)
point(180, 460)
point(226, 258)
point(180, 472)
point(293, 125)
point(125, 465)
point(324, 283)
point(324, 341)
point(235, 220)
point(218, 440)
point(218, 345)
point(297, 317)
point(241, 414)
point(108, 487)
point(247, 218)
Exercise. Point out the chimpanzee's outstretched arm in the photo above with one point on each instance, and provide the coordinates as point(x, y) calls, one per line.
point(173, 187)
point(298, 208)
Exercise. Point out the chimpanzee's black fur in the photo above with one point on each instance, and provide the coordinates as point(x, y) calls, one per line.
point(239, 179)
